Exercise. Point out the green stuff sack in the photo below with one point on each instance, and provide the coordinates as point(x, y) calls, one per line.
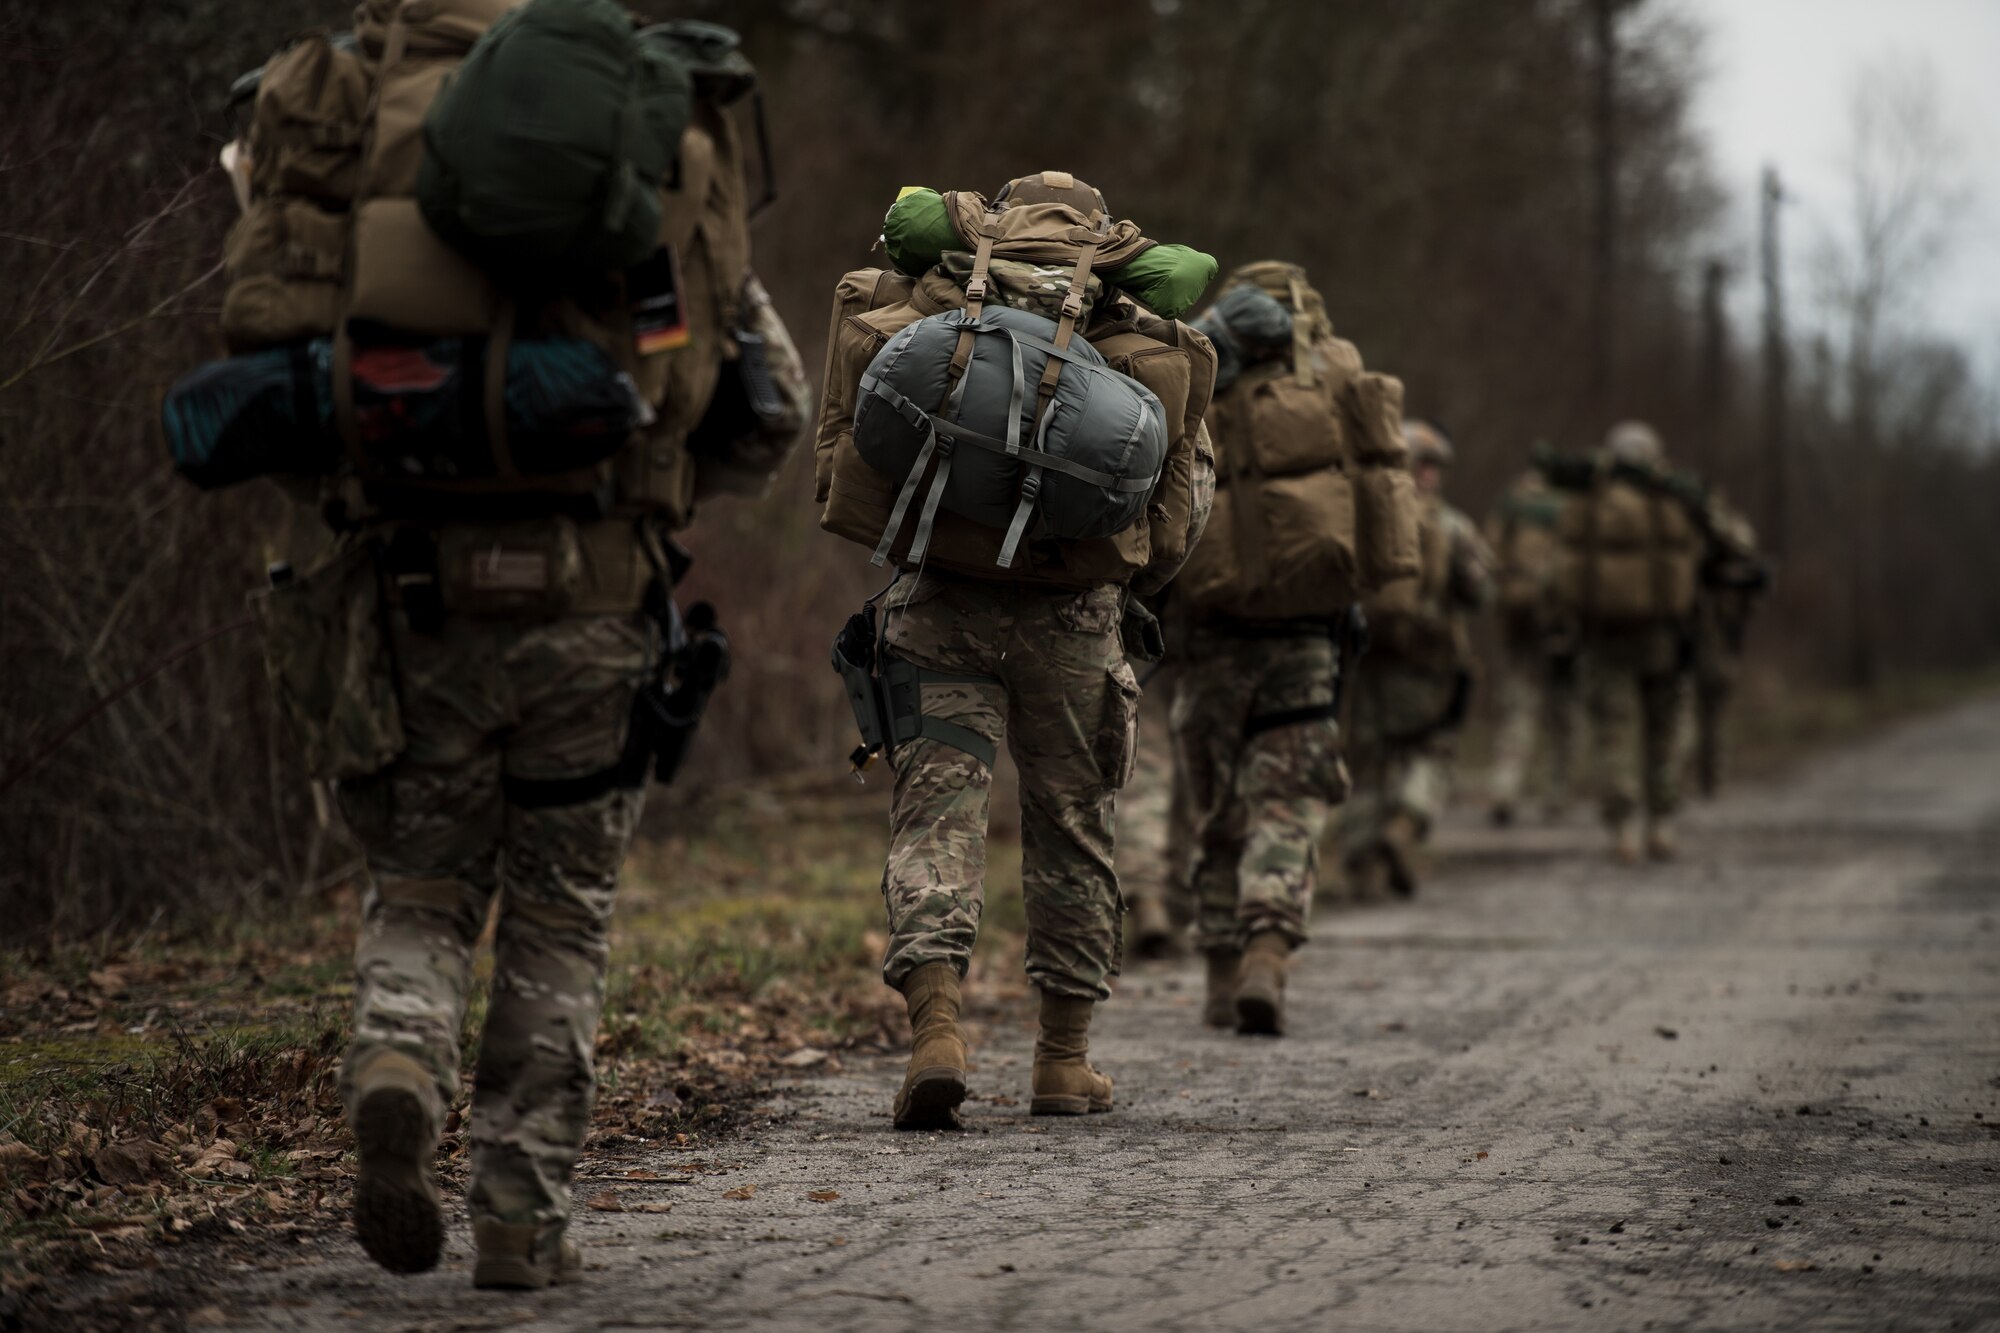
point(919, 232)
point(548, 147)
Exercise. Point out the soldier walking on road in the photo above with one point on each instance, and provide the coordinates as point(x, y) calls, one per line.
point(1007, 617)
point(1632, 543)
point(1413, 689)
point(1535, 684)
point(1304, 438)
point(472, 662)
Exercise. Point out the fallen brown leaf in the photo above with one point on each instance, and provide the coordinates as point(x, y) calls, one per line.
point(1795, 1265)
point(128, 1163)
point(651, 1207)
point(605, 1202)
point(824, 1196)
point(741, 1192)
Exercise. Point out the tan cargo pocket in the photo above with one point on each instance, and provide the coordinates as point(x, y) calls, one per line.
point(1118, 734)
point(330, 665)
point(305, 134)
point(530, 568)
point(284, 258)
point(1292, 427)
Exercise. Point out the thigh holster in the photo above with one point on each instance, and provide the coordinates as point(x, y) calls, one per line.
point(886, 694)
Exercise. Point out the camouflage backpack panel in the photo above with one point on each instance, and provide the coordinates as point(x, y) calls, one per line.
point(1020, 284)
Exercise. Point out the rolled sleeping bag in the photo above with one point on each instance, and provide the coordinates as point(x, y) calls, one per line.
point(418, 411)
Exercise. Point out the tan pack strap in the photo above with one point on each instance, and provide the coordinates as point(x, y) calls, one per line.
point(975, 302)
point(1302, 360)
point(343, 399)
point(395, 44)
point(493, 402)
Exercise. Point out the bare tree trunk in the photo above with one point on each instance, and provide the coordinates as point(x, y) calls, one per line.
point(1604, 277)
point(1775, 368)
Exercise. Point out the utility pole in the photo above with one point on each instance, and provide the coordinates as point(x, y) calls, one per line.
point(1712, 394)
point(1604, 276)
point(1776, 369)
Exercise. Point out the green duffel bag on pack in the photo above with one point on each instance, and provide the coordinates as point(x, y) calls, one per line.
point(547, 149)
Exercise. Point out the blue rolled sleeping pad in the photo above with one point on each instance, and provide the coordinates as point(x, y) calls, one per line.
point(418, 409)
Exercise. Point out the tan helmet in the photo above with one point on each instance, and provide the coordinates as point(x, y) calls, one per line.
point(1427, 444)
point(1053, 187)
point(1634, 442)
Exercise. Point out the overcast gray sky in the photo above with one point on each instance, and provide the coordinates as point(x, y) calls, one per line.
point(1777, 91)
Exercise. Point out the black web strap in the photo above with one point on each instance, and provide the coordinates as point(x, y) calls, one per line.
point(1290, 717)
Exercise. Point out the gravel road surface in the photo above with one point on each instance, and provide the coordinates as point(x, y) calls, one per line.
point(1759, 1088)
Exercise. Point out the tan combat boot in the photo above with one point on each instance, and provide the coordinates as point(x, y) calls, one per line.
point(935, 1083)
point(1219, 1009)
point(515, 1257)
point(1064, 1082)
point(1260, 991)
point(1400, 839)
point(398, 1213)
point(1625, 848)
point(1660, 839)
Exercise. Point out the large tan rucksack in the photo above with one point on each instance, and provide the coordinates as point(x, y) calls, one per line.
point(1172, 360)
point(1629, 555)
point(332, 241)
point(1315, 505)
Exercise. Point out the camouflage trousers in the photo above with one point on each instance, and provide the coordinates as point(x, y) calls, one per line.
point(1635, 691)
point(1535, 694)
point(1065, 704)
point(1401, 747)
point(485, 701)
point(1259, 783)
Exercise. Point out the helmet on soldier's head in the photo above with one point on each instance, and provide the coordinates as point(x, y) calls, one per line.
point(1053, 187)
point(1634, 442)
point(1427, 444)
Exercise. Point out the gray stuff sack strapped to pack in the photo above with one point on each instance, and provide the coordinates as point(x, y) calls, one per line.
point(1083, 468)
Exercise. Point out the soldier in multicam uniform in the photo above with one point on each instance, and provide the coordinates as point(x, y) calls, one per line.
point(1256, 697)
point(1536, 686)
point(1031, 655)
point(468, 671)
point(1412, 689)
point(1633, 534)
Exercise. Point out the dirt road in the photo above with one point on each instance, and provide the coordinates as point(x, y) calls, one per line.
point(1760, 1088)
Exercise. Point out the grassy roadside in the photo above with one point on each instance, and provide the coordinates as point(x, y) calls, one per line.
point(171, 1088)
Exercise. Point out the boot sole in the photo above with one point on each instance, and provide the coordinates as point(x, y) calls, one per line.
point(397, 1215)
point(1054, 1105)
point(933, 1099)
point(1259, 1016)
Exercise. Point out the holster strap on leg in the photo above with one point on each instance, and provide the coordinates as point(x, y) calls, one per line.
point(902, 684)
